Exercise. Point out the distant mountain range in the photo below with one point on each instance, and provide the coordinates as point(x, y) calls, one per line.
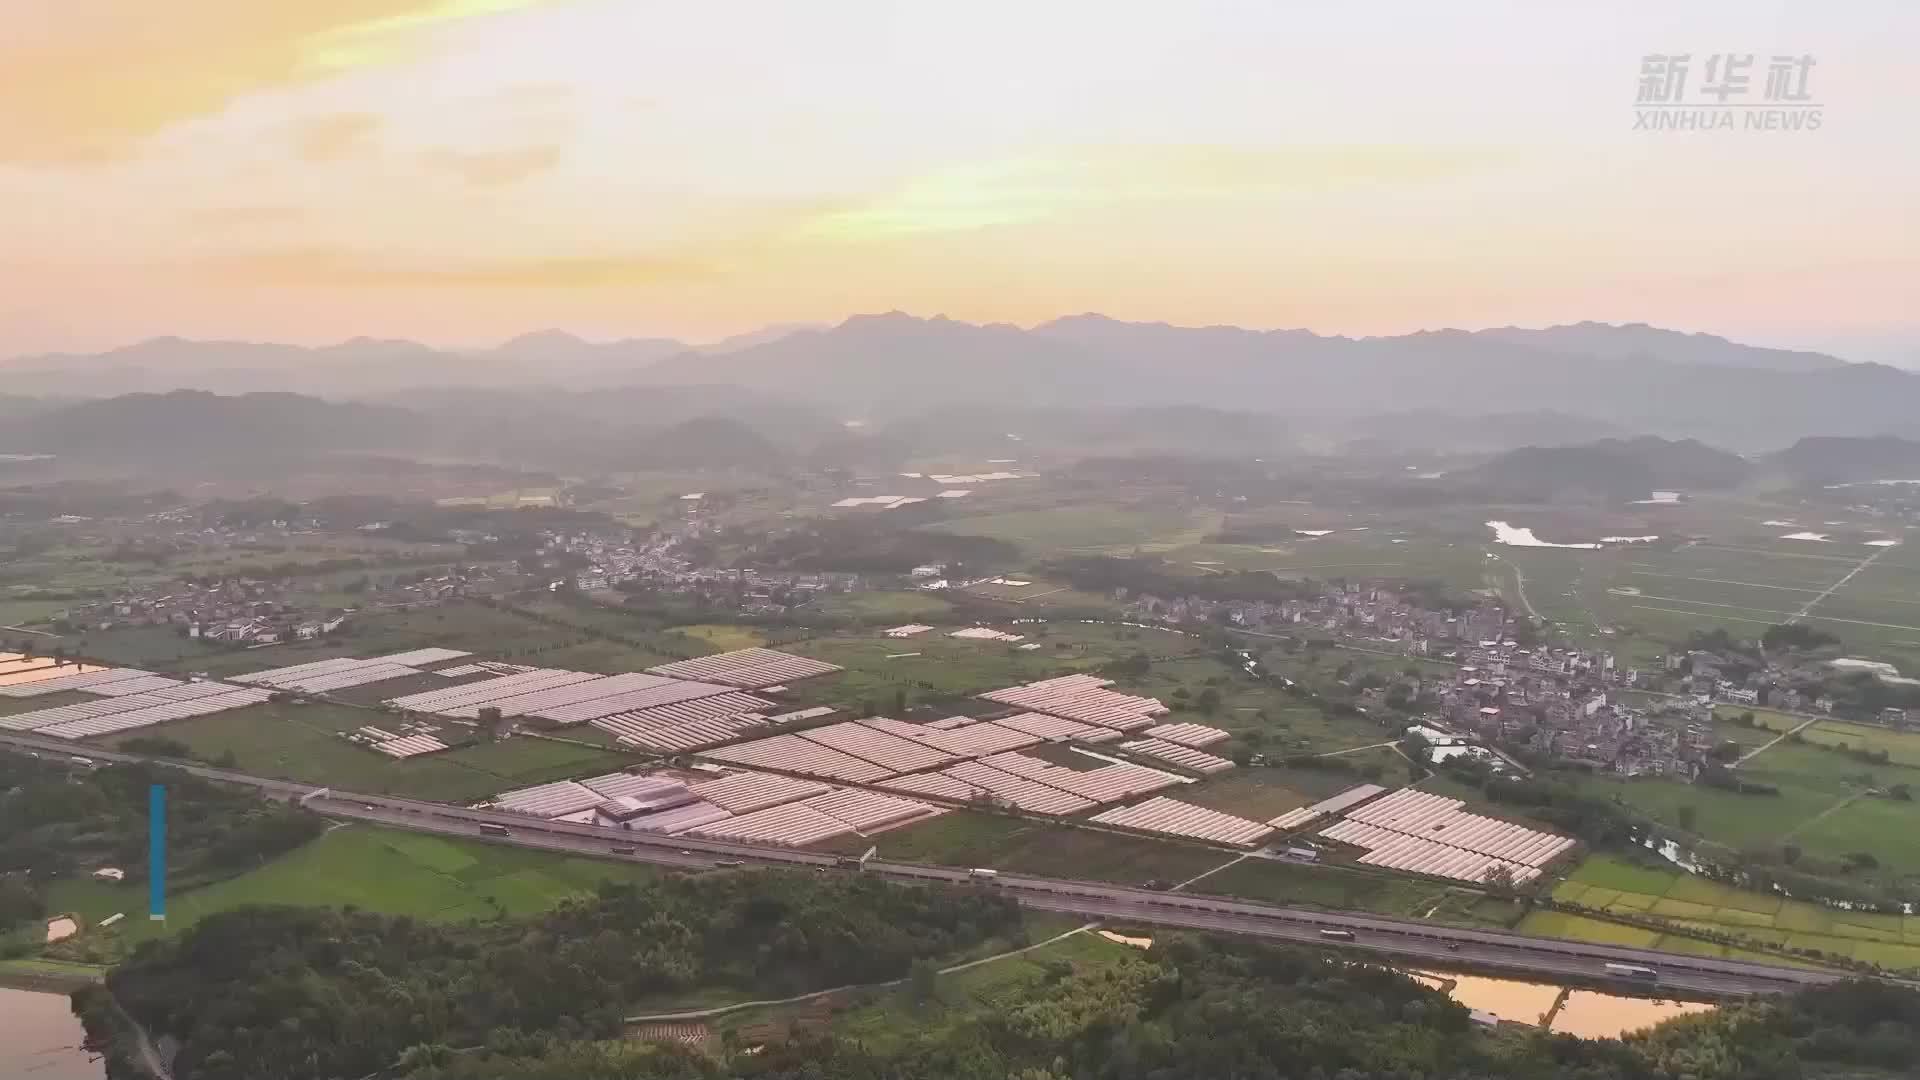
point(361, 366)
point(883, 369)
point(724, 426)
point(1633, 378)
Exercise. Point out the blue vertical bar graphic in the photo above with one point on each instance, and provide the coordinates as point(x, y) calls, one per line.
point(157, 853)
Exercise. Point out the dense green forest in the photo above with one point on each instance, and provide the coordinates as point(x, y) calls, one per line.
point(1221, 1009)
point(298, 993)
point(295, 994)
point(58, 822)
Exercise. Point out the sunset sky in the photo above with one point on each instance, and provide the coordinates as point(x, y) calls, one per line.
point(460, 171)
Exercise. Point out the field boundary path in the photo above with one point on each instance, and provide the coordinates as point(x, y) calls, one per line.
point(1357, 749)
point(1835, 587)
point(722, 1010)
point(1235, 861)
point(1769, 744)
point(1520, 588)
point(1815, 819)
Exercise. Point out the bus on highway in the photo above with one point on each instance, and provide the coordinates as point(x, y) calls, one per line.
point(490, 829)
point(1337, 935)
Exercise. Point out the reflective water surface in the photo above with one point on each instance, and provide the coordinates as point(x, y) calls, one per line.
point(40, 1039)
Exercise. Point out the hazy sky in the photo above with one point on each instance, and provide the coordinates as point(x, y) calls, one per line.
point(459, 171)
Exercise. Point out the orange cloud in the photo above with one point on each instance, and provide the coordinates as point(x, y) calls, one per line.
point(333, 136)
point(1050, 186)
point(347, 269)
point(85, 81)
point(490, 168)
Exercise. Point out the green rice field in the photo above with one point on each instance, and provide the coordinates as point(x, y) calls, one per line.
point(1608, 883)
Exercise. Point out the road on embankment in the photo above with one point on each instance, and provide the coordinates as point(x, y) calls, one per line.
point(1399, 938)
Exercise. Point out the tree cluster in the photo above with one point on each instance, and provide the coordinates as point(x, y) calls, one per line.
point(296, 993)
point(1202, 1010)
point(53, 826)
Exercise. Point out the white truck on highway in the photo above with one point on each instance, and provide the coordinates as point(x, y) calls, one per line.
point(1632, 971)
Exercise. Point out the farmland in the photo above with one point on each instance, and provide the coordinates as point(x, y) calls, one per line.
point(935, 665)
point(1340, 889)
point(553, 635)
point(160, 648)
point(724, 637)
point(1902, 748)
point(476, 628)
point(1086, 528)
point(1029, 596)
point(301, 742)
point(1656, 594)
point(1824, 797)
point(882, 605)
point(1825, 804)
point(971, 838)
point(1262, 793)
point(1262, 715)
point(436, 878)
point(82, 566)
point(1608, 883)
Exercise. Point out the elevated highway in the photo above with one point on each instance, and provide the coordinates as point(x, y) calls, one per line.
point(1401, 939)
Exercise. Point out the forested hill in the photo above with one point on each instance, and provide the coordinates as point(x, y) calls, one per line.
point(1615, 468)
point(302, 995)
point(1834, 459)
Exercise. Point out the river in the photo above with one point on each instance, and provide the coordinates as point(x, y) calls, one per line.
point(40, 1039)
